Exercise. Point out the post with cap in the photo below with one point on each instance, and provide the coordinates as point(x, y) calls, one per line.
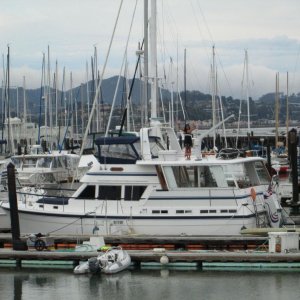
point(14, 217)
point(292, 138)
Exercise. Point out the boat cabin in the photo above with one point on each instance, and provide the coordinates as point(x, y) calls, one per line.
point(124, 149)
point(242, 174)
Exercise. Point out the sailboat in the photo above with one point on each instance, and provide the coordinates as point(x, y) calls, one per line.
point(144, 185)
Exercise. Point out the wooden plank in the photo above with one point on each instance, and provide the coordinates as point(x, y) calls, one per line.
point(152, 256)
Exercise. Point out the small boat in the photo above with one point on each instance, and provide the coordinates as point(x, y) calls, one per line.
point(112, 261)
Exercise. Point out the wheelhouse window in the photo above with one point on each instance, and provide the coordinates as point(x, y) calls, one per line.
point(57, 163)
point(118, 151)
point(109, 192)
point(17, 162)
point(44, 162)
point(194, 176)
point(29, 163)
point(262, 173)
point(88, 192)
point(133, 193)
point(239, 173)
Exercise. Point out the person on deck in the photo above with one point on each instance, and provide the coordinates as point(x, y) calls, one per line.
point(188, 141)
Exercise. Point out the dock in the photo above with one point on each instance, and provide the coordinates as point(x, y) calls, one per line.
point(198, 250)
point(143, 256)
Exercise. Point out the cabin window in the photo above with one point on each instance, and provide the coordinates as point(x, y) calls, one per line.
point(223, 211)
point(44, 162)
point(29, 163)
point(88, 192)
point(207, 175)
point(133, 193)
point(212, 211)
point(232, 211)
point(156, 211)
point(124, 151)
point(204, 211)
point(179, 211)
point(164, 211)
point(181, 176)
point(262, 172)
point(193, 176)
point(110, 192)
point(240, 172)
point(16, 162)
point(57, 163)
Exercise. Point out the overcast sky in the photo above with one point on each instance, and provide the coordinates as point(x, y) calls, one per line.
point(268, 29)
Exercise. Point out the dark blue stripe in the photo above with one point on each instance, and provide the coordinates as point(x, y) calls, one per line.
point(201, 198)
point(126, 218)
point(121, 174)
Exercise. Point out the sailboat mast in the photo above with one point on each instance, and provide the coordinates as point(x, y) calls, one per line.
point(9, 144)
point(24, 111)
point(247, 90)
point(172, 95)
point(276, 110)
point(184, 74)
point(56, 95)
point(153, 50)
point(146, 54)
point(287, 110)
point(214, 97)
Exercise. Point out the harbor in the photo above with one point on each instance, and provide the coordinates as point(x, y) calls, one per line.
point(163, 252)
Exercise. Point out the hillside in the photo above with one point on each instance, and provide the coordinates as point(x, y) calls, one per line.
point(196, 103)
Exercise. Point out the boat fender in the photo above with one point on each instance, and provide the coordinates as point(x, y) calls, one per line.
point(253, 194)
point(164, 260)
point(104, 248)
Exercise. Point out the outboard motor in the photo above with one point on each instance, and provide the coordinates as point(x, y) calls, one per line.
point(93, 265)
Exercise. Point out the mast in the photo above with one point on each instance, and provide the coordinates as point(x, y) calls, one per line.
point(276, 109)
point(87, 91)
point(56, 95)
point(184, 71)
point(9, 144)
point(214, 97)
point(247, 91)
point(287, 110)
point(153, 46)
point(25, 108)
point(49, 99)
point(146, 54)
point(172, 95)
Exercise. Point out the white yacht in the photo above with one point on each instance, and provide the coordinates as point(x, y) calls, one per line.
point(49, 169)
point(141, 187)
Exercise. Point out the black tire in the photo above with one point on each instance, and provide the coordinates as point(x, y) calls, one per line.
point(39, 245)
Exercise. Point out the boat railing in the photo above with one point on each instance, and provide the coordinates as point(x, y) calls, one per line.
point(30, 195)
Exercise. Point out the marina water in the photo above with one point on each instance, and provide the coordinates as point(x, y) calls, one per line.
point(161, 283)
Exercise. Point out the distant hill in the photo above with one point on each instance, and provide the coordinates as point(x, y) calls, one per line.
point(196, 103)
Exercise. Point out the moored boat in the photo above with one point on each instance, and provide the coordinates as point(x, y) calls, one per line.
point(141, 187)
point(112, 261)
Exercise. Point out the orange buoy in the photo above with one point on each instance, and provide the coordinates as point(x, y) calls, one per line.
point(253, 194)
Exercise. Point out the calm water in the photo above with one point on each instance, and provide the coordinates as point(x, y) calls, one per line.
point(53, 284)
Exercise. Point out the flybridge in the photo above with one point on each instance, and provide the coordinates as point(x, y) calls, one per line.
point(124, 149)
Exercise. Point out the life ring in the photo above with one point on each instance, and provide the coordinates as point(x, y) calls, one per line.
point(253, 194)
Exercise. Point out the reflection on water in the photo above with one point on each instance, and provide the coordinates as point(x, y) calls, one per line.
point(149, 284)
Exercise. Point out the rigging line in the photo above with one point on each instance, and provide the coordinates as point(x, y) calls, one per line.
point(100, 82)
point(224, 73)
point(121, 70)
point(205, 22)
point(199, 28)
